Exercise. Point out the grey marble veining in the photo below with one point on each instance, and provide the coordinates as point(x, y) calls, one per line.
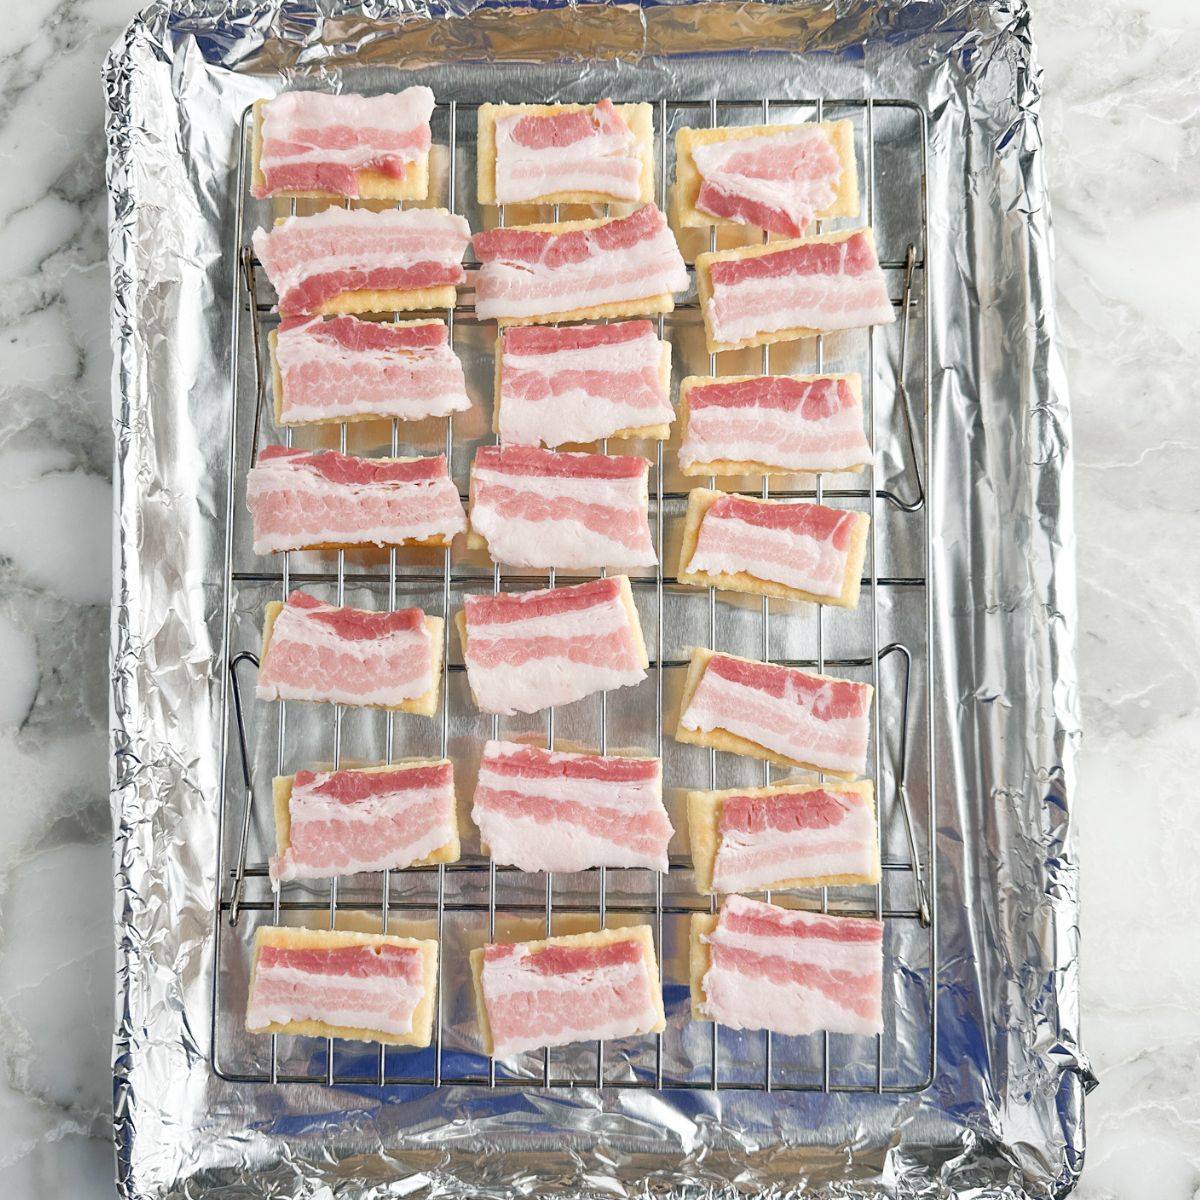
point(55, 450)
point(1122, 127)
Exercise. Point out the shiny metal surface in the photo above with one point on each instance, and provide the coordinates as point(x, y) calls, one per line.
point(965, 627)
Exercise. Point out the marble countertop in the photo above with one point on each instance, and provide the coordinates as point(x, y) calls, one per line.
point(1121, 125)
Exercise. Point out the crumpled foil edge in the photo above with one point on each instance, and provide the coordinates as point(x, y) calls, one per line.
point(1002, 1151)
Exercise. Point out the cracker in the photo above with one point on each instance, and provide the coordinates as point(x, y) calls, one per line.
point(685, 214)
point(726, 466)
point(384, 300)
point(424, 705)
point(648, 307)
point(437, 540)
point(481, 1013)
point(637, 116)
point(372, 300)
point(277, 387)
point(656, 432)
point(568, 746)
point(307, 939)
point(704, 286)
point(642, 307)
point(604, 937)
point(460, 624)
point(722, 739)
point(700, 500)
point(281, 795)
point(704, 816)
point(699, 959)
point(476, 541)
point(372, 185)
point(635, 622)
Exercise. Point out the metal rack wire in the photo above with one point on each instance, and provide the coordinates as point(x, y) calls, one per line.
point(437, 1067)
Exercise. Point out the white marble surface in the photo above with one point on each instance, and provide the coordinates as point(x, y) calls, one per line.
point(1122, 128)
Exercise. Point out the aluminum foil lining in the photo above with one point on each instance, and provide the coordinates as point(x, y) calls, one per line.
point(993, 692)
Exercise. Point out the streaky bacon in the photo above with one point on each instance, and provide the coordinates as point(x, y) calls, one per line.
point(540, 508)
point(778, 180)
point(584, 150)
point(793, 972)
point(530, 273)
point(569, 989)
point(362, 984)
point(526, 651)
point(312, 259)
point(318, 142)
point(299, 499)
point(580, 383)
point(786, 423)
point(806, 284)
point(811, 720)
point(321, 653)
point(806, 547)
point(344, 368)
point(546, 810)
point(351, 821)
point(768, 837)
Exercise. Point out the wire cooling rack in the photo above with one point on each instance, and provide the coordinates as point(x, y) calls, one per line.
point(887, 641)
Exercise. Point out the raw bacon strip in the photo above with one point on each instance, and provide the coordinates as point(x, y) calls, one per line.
point(539, 508)
point(581, 383)
point(778, 182)
point(331, 983)
point(783, 548)
point(776, 177)
point(314, 651)
point(757, 966)
point(545, 810)
point(579, 269)
point(303, 501)
point(344, 145)
point(565, 153)
point(787, 836)
point(778, 713)
point(579, 988)
point(345, 369)
point(526, 651)
point(772, 424)
point(373, 819)
point(354, 260)
point(787, 290)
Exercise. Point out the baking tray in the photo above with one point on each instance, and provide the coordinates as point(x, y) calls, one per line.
point(697, 1105)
